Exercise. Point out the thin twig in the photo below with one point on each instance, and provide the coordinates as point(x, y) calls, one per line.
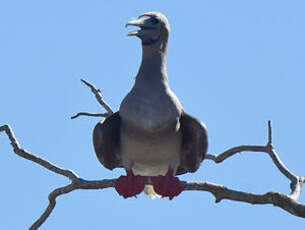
point(254, 148)
point(91, 115)
point(266, 149)
point(230, 152)
point(98, 96)
point(269, 132)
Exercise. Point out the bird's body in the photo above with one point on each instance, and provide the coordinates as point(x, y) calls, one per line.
point(150, 118)
point(151, 135)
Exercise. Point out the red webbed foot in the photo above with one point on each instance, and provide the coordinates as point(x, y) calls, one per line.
point(130, 185)
point(168, 185)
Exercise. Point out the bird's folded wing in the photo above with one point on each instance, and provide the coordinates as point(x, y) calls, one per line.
point(106, 141)
point(194, 144)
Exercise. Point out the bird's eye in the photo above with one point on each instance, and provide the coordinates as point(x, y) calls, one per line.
point(155, 20)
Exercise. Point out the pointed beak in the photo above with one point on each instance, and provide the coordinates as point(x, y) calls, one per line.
point(146, 27)
point(137, 22)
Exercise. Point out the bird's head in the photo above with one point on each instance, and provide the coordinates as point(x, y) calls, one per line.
point(154, 28)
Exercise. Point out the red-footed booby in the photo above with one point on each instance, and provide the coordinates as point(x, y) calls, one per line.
point(151, 136)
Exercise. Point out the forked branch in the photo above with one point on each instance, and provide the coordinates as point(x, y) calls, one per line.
point(99, 98)
point(288, 202)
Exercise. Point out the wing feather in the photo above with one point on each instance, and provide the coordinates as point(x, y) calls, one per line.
point(194, 143)
point(106, 141)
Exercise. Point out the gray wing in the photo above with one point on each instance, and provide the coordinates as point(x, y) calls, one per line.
point(194, 144)
point(106, 141)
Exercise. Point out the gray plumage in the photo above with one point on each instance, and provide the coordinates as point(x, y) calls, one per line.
point(151, 132)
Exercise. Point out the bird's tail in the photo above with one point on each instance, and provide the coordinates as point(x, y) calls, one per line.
point(149, 191)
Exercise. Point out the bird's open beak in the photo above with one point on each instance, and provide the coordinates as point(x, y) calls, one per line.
point(142, 22)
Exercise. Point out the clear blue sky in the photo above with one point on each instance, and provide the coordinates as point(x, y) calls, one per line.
point(233, 64)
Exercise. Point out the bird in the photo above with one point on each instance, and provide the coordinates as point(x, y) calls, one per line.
point(151, 136)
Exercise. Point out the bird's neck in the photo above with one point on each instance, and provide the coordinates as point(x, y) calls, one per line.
point(153, 65)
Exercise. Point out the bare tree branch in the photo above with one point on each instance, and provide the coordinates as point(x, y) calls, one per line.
point(98, 96)
point(29, 156)
point(249, 148)
point(52, 202)
point(91, 115)
point(295, 180)
point(99, 99)
point(288, 203)
point(220, 192)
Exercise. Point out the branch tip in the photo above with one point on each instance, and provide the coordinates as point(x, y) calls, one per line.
point(98, 96)
point(269, 132)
